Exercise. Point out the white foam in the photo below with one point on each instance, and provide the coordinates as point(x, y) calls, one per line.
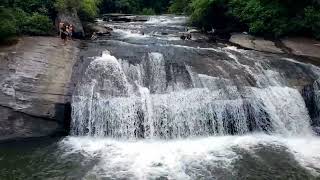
point(166, 20)
point(145, 159)
point(233, 48)
point(108, 103)
point(131, 34)
point(189, 47)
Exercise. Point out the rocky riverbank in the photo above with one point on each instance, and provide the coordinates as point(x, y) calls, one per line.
point(297, 46)
point(36, 86)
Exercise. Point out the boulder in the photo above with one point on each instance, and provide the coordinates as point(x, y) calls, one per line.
point(71, 17)
point(35, 84)
point(254, 43)
point(100, 29)
point(303, 46)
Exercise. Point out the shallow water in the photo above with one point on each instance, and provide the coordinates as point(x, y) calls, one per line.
point(228, 157)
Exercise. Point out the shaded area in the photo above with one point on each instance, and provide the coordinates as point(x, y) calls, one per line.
point(41, 158)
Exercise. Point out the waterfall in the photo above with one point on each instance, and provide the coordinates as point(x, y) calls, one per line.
point(152, 100)
point(156, 107)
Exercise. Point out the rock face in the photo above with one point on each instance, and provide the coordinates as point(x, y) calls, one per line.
point(15, 125)
point(303, 46)
point(98, 28)
point(71, 18)
point(251, 42)
point(35, 86)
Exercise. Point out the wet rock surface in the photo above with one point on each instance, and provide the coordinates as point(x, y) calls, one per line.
point(303, 46)
point(98, 28)
point(240, 90)
point(35, 85)
point(255, 43)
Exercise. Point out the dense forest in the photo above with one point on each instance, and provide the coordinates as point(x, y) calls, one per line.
point(269, 18)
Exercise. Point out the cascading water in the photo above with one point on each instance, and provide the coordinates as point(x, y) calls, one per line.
point(114, 100)
point(171, 109)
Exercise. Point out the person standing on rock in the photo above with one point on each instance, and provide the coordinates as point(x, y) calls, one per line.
point(94, 36)
point(64, 34)
point(68, 30)
point(71, 30)
point(61, 25)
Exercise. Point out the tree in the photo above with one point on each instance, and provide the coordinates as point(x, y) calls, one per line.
point(7, 24)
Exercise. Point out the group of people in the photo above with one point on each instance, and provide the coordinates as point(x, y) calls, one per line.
point(186, 36)
point(65, 31)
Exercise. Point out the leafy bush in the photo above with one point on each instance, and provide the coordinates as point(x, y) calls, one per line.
point(31, 6)
point(25, 17)
point(134, 6)
point(88, 9)
point(210, 14)
point(37, 24)
point(272, 18)
point(7, 24)
point(180, 7)
point(126, 6)
point(66, 5)
point(312, 20)
point(148, 11)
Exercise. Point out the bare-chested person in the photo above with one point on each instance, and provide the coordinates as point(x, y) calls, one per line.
point(61, 25)
point(64, 34)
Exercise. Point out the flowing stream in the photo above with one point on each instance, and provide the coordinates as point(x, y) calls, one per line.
point(151, 106)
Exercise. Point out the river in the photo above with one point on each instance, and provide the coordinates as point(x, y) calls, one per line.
point(149, 105)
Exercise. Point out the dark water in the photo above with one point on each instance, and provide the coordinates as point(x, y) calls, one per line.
point(40, 159)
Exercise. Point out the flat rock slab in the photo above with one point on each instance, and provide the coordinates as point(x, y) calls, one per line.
point(303, 46)
point(35, 78)
point(254, 43)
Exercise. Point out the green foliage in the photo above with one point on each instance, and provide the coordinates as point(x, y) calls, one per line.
point(88, 9)
point(127, 6)
point(180, 7)
point(272, 18)
point(31, 6)
point(36, 24)
point(134, 6)
point(66, 5)
point(30, 17)
point(148, 11)
point(312, 20)
point(210, 14)
point(201, 10)
point(7, 24)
